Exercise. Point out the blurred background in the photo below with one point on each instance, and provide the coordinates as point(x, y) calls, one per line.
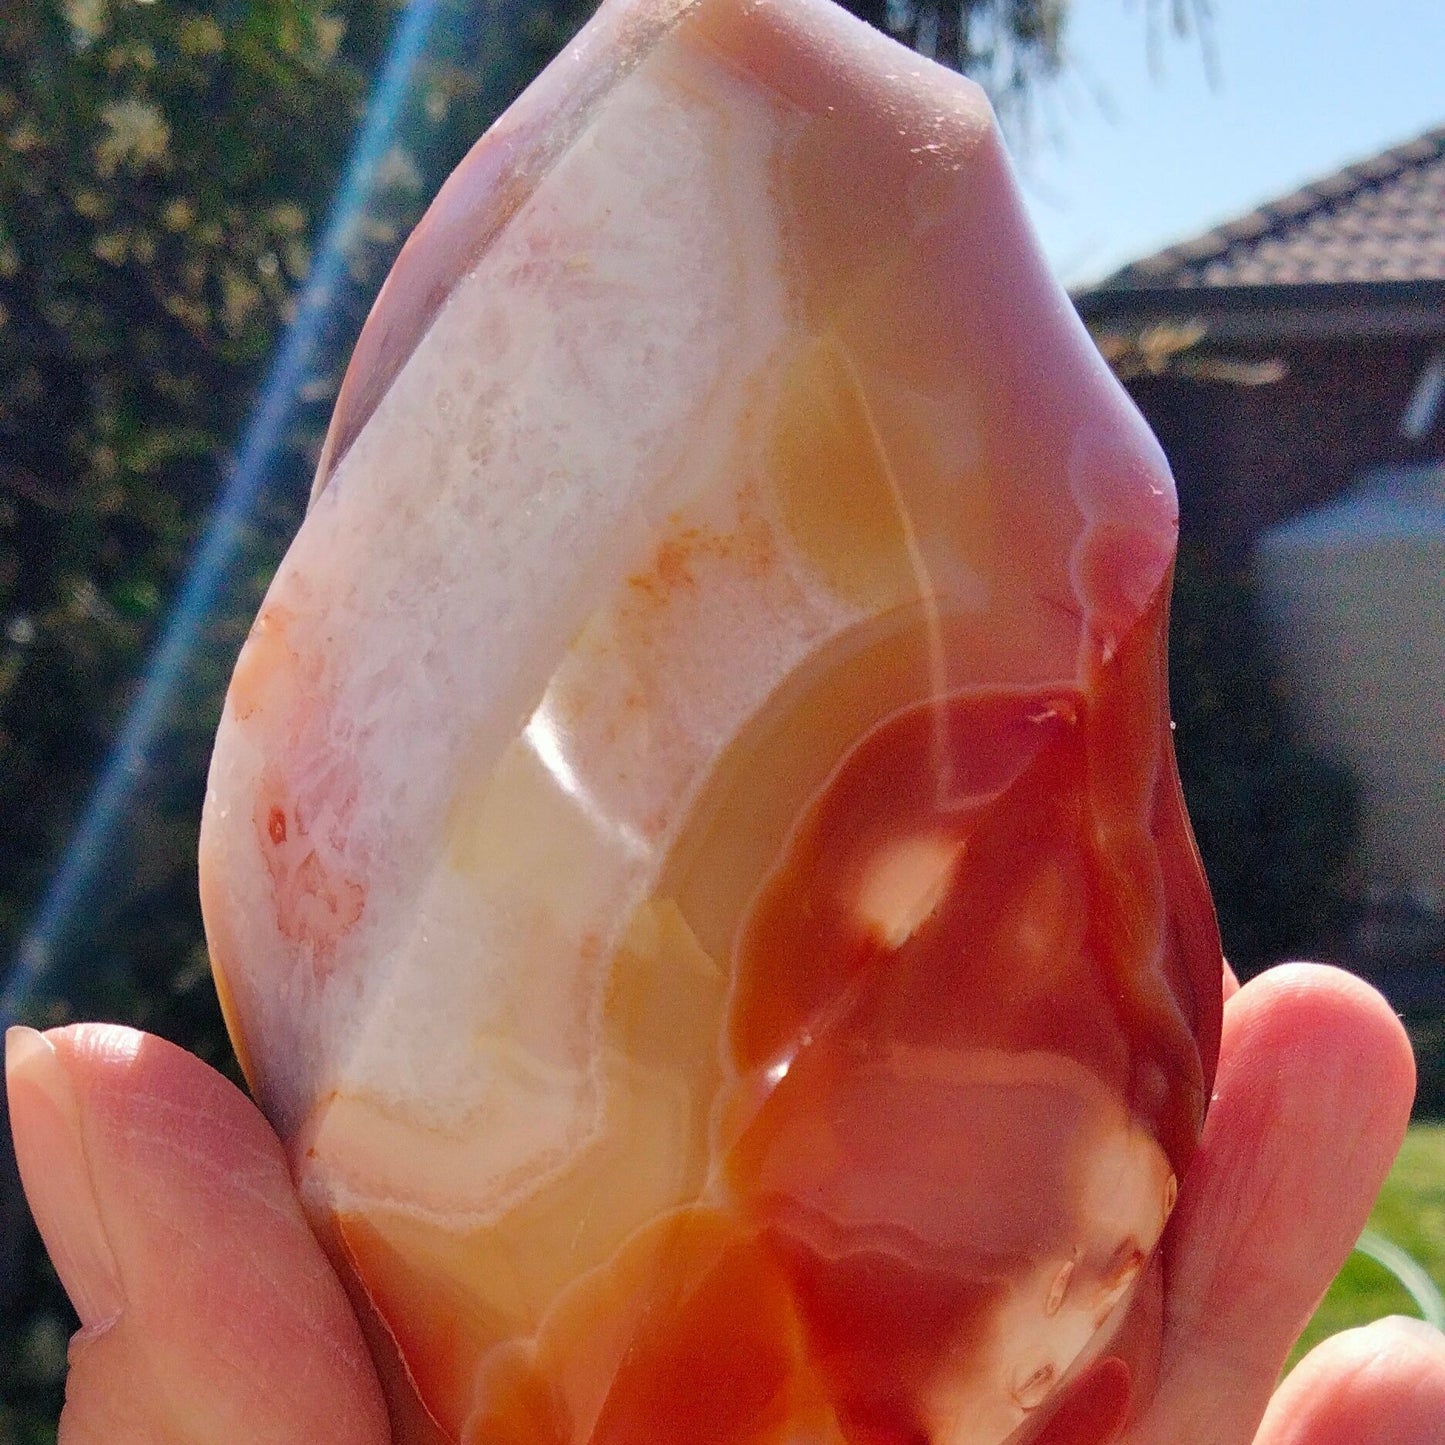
point(198, 203)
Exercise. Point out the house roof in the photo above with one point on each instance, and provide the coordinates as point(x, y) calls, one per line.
point(1380, 220)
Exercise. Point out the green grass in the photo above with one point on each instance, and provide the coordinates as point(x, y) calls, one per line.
point(1411, 1214)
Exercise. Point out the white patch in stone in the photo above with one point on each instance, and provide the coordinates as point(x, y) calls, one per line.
point(905, 884)
point(521, 467)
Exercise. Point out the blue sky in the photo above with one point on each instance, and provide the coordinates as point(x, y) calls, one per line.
point(1126, 158)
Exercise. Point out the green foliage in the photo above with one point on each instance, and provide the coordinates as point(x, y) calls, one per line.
point(1410, 1213)
point(160, 177)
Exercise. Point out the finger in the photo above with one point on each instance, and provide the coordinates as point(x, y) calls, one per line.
point(1381, 1385)
point(1312, 1100)
point(208, 1312)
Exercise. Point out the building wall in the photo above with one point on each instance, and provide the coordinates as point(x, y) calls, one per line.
point(1247, 457)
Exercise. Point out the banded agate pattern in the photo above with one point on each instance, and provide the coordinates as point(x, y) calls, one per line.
point(693, 860)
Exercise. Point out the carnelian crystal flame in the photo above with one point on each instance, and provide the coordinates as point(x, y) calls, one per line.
point(833, 1276)
point(693, 861)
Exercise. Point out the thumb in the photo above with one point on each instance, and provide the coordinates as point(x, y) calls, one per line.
point(208, 1311)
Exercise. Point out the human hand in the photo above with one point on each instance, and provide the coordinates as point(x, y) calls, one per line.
point(209, 1313)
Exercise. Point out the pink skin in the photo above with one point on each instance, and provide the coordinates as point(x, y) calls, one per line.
point(210, 1314)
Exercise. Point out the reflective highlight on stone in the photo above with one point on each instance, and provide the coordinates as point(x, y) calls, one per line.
point(693, 860)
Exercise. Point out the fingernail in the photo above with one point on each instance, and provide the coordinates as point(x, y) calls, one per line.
point(1423, 1332)
point(50, 1149)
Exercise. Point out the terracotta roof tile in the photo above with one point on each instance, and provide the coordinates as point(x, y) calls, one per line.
point(1381, 219)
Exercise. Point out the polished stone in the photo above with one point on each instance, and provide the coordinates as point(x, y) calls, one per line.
point(693, 859)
